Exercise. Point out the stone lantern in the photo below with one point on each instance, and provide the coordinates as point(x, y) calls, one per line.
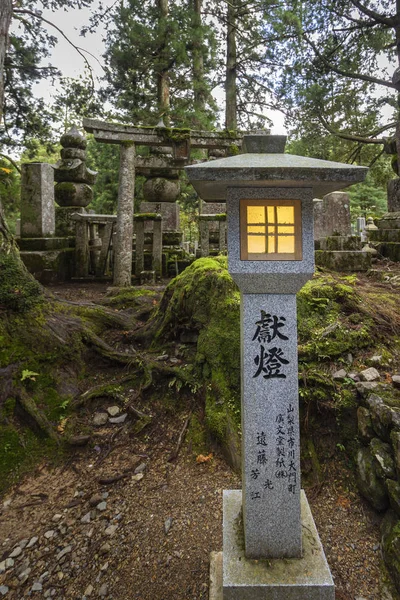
point(269, 198)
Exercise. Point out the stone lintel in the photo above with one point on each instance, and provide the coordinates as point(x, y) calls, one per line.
point(306, 578)
point(94, 218)
point(220, 217)
point(117, 133)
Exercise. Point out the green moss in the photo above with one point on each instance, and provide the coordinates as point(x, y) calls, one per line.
point(19, 292)
point(20, 452)
point(196, 436)
point(147, 217)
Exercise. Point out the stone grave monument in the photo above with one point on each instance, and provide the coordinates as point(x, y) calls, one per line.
point(271, 548)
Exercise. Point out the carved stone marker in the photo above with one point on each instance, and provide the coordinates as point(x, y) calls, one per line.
point(269, 198)
point(37, 200)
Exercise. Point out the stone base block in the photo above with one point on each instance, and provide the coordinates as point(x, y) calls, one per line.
point(148, 277)
point(50, 266)
point(64, 225)
point(343, 261)
point(384, 235)
point(340, 242)
point(390, 250)
point(50, 243)
point(390, 220)
point(306, 578)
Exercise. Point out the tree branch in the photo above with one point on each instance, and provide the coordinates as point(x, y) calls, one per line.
point(11, 161)
point(389, 21)
point(79, 50)
point(348, 74)
point(347, 136)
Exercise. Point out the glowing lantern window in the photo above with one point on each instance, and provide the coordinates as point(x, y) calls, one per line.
point(270, 230)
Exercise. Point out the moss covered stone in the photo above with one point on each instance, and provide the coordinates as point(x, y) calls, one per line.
point(390, 530)
point(369, 484)
point(18, 290)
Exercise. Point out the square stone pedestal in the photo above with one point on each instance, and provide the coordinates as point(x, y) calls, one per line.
point(306, 578)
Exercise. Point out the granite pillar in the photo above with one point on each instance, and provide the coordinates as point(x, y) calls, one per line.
point(222, 236)
point(37, 200)
point(204, 237)
point(124, 229)
point(270, 426)
point(393, 195)
point(81, 249)
point(139, 263)
point(157, 246)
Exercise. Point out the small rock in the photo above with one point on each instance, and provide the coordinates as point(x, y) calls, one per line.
point(63, 552)
point(365, 387)
point(174, 361)
point(103, 591)
point(24, 575)
point(162, 357)
point(377, 359)
point(86, 518)
point(105, 549)
point(118, 420)
point(57, 518)
point(167, 524)
point(113, 411)
point(16, 552)
point(44, 576)
point(89, 590)
point(32, 542)
point(9, 562)
point(37, 587)
point(104, 567)
point(396, 381)
point(137, 477)
point(110, 530)
point(140, 468)
point(60, 575)
point(340, 375)
point(49, 534)
point(100, 419)
point(370, 374)
point(95, 499)
point(102, 506)
point(354, 376)
point(3, 590)
point(23, 543)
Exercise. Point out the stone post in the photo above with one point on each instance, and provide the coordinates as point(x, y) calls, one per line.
point(81, 249)
point(124, 230)
point(204, 237)
point(157, 246)
point(139, 263)
point(222, 236)
point(37, 200)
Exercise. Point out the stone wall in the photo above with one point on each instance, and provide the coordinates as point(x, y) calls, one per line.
point(378, 463)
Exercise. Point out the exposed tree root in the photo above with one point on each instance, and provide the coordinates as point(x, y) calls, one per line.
point(39, 419)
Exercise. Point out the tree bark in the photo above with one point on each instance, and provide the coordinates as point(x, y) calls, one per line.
point(5, 21)
point(162, 75)
point(230, 81)
point(198, 64)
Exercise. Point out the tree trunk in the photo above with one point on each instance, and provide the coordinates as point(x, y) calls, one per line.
point(162, 75)
point(5, 21)
point(198, 65)
point(230, 81)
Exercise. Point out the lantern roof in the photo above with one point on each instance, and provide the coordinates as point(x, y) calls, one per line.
point(270, 167)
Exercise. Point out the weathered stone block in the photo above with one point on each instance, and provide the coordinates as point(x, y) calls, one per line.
point(395, 439)
point(343, 260)
point(390, 529)
point(169, 212)
point(65, 227)
point(382, 453)
point(369, 484)
point(340, 243)
point(37, 200)
point(306, 578)
point(393, 488)
point(365, 429)
point(370, 374)
point(393, 195)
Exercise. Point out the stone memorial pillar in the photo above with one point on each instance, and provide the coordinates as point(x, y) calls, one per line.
point(124, 228)
point(37, 200)
point(270, 256)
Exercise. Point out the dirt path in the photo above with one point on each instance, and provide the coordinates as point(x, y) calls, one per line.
point(149, 534)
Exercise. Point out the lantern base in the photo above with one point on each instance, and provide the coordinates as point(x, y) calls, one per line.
point(306, 578)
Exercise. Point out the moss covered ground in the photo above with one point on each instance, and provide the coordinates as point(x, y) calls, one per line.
point(342, 322)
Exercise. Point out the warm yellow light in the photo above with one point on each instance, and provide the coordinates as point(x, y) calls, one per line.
point(256, 244)
point(255, 214)
point(270, 229)
point(285, 214)
point(286, 244)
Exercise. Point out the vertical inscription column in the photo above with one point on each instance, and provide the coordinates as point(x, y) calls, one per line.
point(124, 229)
point(270, 424)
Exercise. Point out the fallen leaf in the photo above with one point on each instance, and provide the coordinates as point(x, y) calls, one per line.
point(200, 459)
